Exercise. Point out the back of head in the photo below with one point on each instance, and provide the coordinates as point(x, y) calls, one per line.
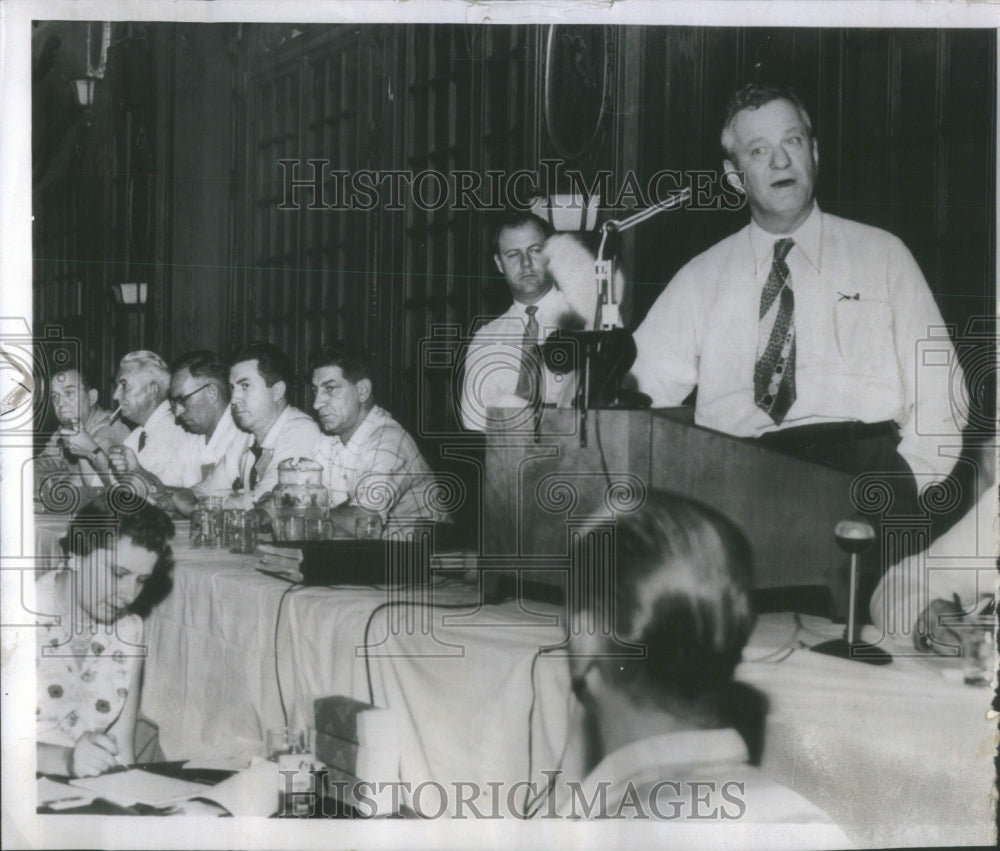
point(679, 587)
point(272, 363)
point(151, 365)
point(206, 365)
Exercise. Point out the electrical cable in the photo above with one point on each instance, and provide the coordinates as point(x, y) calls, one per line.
point(531, 711)
point(277, 669)
point(386, 605)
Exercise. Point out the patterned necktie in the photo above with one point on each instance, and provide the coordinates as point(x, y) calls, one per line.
point(529, 376)
point(256, 450)
point(774, 371)
point(142, 440)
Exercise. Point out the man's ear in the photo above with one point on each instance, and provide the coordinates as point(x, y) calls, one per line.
point(496, 259)
point(733, 176)
point(815, 152)
point(278, 390)
point(92, 396)
point(365, 390)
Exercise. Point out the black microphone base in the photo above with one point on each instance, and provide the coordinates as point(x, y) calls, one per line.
point(856, 652)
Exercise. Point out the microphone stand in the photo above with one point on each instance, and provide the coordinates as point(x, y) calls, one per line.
point(607, 319)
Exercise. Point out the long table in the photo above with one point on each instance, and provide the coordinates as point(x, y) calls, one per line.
point(896, 755)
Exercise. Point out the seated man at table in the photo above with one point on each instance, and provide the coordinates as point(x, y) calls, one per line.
point(199, 398)
point(79, 448)
point(675, 591)
point(371, 465)
point(259, 380)
point(157, 445)
point(941, 599)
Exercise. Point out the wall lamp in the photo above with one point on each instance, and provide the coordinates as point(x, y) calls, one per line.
point(130, 294)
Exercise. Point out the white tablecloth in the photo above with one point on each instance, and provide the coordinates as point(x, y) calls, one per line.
point(900, 754)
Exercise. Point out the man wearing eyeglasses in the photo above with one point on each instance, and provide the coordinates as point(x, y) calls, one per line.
point(199, 399)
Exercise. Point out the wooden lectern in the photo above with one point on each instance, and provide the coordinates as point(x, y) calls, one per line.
point(541, 486)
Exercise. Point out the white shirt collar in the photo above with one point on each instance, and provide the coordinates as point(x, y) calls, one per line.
point(808, 240)
point(276, 427)
point(162, 413)
point(546, 304)
point(223, 430)
point(722, 746)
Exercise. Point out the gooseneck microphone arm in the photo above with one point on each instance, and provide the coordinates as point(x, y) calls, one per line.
point(608, 307)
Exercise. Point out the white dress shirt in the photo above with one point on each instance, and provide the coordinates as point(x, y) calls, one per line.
point(653, 779)
point(169, 452)
point(226, 436)
point(294, 434)
point(870, 341)
point(493, 362)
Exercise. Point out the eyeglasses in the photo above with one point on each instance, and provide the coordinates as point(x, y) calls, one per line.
point(178, 401)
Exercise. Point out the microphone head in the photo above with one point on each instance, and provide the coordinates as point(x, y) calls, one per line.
point(854, 535)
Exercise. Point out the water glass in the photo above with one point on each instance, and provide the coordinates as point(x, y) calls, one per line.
point(206, 522)
point(240, 528)
point(284, 740)
point(368, 527)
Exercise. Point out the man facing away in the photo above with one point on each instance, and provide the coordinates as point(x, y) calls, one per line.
point(664, 613)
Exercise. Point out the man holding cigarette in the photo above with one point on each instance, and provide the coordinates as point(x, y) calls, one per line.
point(158, 445)
point(86, 431)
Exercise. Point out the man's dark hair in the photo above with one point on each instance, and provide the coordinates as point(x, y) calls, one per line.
point(203, 363)
point(353, 363)
point(754, 96)
point(272, 363)
point(73, 365)
point(145, 524)
point(511, 219)
point(680, 587)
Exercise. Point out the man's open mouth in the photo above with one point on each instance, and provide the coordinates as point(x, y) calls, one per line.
point(784, 184)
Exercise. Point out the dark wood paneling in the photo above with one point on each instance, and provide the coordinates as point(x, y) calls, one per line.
point(905, 118)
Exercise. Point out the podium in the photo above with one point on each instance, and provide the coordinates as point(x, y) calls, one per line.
point(542, 487)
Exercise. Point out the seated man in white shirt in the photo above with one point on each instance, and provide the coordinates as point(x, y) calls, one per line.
point(503, 367)
point(259, 380)
point(79, 448)
point(803, 329)
point(675, 590)
point(199, 398)
point(158, 445)
point(942, 599)
point(371, 465)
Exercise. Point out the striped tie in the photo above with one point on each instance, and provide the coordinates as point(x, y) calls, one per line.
point(529, 376)
point(774, 371)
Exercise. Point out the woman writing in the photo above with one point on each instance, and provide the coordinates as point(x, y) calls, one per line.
point(89, 667)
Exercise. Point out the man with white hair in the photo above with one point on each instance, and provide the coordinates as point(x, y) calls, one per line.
point(158, 444)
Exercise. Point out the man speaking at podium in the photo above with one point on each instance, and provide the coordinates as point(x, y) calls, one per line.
point(802, 329)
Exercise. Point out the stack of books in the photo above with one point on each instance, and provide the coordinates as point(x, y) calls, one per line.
point(359, 745)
